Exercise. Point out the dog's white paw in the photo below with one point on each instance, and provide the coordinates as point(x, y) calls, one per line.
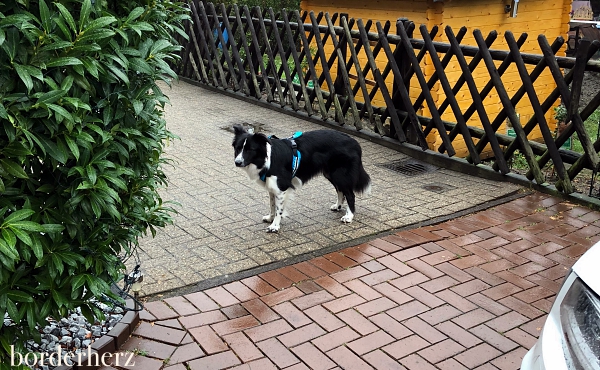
point(268, 218)
point(335, 207)
point(347, 219)
point(273, 229)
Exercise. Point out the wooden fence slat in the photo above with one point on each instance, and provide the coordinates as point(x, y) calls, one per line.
point(204, 76)
point(306, 53)
point(489, 41)
point(580, 163)
point(401, 87)
point(357, 49)
point(371, 55)
point(232, 28)
point(316, 58)
point(512, 114)
point(359, 74)
point(546, 105)
point(234, 50)
point(468, 77)
point(255, 90)
point(271, 59)
point(573, 106)
point(460, 120)
point(278, 31)
point(185, 51)
point(496, 123)
point(258, 54)
point(326, 72)
point(201, 34)
point(193, 41)
point(434, 78)
point(288, 75)
point(332, 58)
point(392, 110)
point(561, 89)
point(312, 74)
point(213, 48)
point(538, 112)
point(225, 57)
point(428, 98)
point(293, 41)
point(297, 64)
point(344, 73)
point(501, 116)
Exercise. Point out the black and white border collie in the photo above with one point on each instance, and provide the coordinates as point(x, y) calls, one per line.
point(268, 160)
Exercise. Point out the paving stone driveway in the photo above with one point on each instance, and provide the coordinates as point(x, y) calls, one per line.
point(219, 229)
point(470, 293)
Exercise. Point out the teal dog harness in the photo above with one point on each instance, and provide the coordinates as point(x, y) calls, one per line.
point(296, 155)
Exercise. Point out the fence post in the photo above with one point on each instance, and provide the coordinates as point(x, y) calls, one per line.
point(402, 60)
point(253, 56)
point(338, 85)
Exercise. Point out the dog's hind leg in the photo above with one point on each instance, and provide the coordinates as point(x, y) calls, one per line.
point(340, 200)
point(270, 216)
point(349, 216)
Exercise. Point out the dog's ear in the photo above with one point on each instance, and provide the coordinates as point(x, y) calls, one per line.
point(239, 129)
point(262, 138)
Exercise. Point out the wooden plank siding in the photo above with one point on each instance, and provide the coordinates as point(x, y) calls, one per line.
point(534, 17)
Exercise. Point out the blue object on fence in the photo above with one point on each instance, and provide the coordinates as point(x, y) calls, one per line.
point(216, 35)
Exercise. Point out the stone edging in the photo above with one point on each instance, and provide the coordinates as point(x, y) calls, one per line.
point(111, 341)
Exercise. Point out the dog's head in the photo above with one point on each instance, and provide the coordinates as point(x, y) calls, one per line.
point(250, 149)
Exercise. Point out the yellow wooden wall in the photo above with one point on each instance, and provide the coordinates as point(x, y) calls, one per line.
point(548, 17)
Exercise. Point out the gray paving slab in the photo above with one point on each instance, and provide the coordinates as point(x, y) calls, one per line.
point(219, 228)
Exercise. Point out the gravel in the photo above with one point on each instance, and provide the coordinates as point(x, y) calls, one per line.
point(72, 333)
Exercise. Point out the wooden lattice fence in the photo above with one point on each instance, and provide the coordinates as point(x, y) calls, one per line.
point(362, 75)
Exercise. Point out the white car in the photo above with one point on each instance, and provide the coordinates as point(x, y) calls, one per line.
point(570, 338)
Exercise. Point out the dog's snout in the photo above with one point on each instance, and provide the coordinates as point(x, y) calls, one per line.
point(239, 162)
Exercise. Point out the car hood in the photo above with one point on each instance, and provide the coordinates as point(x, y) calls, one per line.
point(586, 268)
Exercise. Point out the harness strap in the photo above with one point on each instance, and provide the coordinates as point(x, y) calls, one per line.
point(296, 156)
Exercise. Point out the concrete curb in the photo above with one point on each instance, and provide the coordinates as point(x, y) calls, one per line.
point(110, 342)
point(220, 280)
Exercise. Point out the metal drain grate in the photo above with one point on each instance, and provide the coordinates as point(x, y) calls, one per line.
point(409, 167)
point(438, 188)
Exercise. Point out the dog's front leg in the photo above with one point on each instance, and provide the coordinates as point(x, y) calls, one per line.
point(279, 198)
point(270, 216)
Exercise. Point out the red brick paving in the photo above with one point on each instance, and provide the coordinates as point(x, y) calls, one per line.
point(469, 293)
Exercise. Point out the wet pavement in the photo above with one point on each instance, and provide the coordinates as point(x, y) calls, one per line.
point(468, 293)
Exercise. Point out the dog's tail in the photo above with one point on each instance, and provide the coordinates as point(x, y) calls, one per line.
point(363, 185)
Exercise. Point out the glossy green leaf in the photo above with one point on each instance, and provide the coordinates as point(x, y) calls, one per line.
point(18, 215)
point(66, 14)
point(19, 296)
point(63, 61)
point(24, 76)
point(50, 97)
point(26, 225)
point(21, 235)
point(45, 16)
point(7, 250)
point(52, 228)
point(84, 14)
point(13, 168)
point(100, 22)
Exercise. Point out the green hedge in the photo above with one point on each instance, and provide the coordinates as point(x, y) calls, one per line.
point(82, 135)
